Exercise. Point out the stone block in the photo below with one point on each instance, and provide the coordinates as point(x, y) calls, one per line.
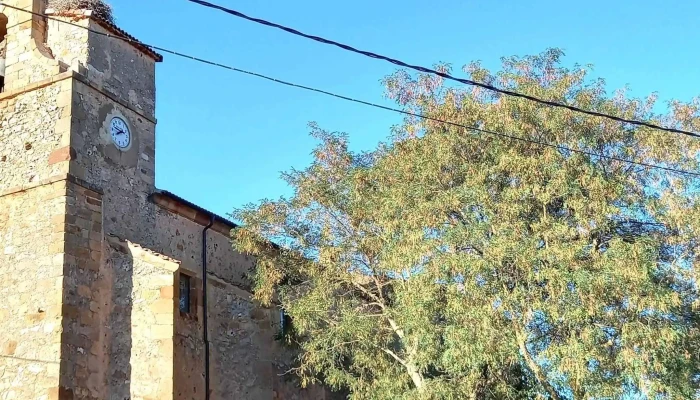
point(60, 393)
point(163, 306)
point(8, 349)
point(161, 331)
point(62, 155)
point(85, 291)
point(164, 319)
point(167, 292)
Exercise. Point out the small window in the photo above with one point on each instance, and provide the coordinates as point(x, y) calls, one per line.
point(285, 324)
point(283, 320)
point(3, 50)
point(185, 288)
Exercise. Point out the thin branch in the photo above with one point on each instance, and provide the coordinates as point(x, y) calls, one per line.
point(290, 371)
point(392, 354)
point(379, 288)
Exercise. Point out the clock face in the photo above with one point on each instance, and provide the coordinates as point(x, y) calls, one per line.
point(121, 136)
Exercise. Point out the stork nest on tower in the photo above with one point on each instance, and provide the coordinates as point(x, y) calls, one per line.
point(99, 8)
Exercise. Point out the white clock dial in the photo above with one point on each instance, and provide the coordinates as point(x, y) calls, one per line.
point(119, 130)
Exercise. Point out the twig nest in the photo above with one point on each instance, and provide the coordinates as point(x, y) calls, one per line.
point(100, 9)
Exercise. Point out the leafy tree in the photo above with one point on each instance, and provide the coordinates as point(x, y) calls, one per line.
point(449, 264)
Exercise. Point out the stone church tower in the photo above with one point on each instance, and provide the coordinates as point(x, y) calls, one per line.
point(111, 288)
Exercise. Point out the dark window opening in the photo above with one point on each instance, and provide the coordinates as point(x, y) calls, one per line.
point(283, 320)
point(3, 50)
point(185, 289)
point(285, 326)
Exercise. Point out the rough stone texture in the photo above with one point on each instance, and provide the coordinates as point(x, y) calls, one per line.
point(181, 238)
point(141, 321)
point(31, 282)
point(122, 71)
point(89, 263)
point(68, 43)
point(152, 330)
point(246, 361)
point(126, 178)
point(80, 365)
point(112, 66)
point(29, 60)
point(32, 126)
point(240, 337)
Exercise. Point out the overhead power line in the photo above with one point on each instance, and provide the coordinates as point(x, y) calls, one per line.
point(367, 103)
point(440, 73)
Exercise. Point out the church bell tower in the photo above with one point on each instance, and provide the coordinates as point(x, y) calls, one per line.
point(77, 163)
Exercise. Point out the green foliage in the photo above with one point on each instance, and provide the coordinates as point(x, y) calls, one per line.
point(449, 264)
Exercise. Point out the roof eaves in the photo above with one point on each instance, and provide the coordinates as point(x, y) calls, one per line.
point(198, 211)
point(112, 27)
point(153, 197)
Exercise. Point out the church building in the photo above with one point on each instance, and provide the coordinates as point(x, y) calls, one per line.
point(110, 288)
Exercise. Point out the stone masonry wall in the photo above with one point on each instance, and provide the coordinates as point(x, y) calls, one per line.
point(89, 266)
point(140, 350)
point(232, 363)
point(82, 366)
point(112, 66)
point(188, 355)
point(152, 320)
point(246, 362)
point(31, 282)
point(241, 337)
point(181, 238)
point(28, 59)
point(34, 128)
point(126, 178)
point(68, 43)
point(118, 311)
point(122, 71)
point(38, 49)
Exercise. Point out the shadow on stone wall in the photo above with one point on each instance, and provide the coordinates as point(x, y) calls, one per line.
point(119, 348)
point(188, 351)
point(97, 338)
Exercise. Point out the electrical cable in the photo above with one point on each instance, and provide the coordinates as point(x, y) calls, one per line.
point(440, 73)
point(367, 103)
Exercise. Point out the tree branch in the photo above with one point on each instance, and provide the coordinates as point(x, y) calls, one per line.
point(396, 328)
point(416, 376)
point(394, 356)
point(412, 370)
point(532, 364)
point(371, 295)
point(379, 287)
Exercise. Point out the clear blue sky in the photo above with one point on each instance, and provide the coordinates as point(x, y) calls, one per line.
point(223, 138)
